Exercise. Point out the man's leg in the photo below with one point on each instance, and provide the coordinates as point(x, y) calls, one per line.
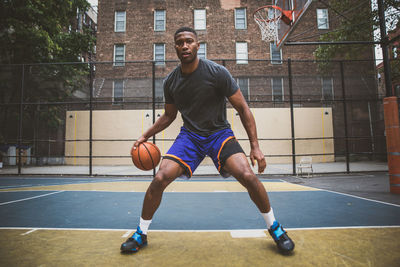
point(238, 166)
point(169, 170)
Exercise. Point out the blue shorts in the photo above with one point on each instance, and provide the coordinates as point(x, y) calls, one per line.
point(189, 149)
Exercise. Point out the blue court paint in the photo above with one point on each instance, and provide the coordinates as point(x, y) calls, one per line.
point(10, 183)
point(192, 211)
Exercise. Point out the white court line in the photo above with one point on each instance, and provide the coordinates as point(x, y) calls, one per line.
point(31, 231)
point(201, 231)
point(128, 233)
point(363, 198)
point(247, 233)
point(349, 195)
point(18, 200)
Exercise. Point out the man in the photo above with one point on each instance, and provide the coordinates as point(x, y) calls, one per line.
point(198, 89)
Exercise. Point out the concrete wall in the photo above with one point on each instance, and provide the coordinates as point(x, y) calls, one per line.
point(272, 123)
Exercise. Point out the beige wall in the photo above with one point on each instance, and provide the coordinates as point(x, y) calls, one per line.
point(130, 124)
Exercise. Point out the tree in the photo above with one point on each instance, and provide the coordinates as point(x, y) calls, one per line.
point(33, 32)
point(356, 20)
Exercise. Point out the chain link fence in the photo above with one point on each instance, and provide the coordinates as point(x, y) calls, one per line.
point(82, 118)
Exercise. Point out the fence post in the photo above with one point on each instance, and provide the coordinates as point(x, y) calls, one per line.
point(345, 118)
point(90, 116)
point(292, 116)
point(21, 115)
point(154, 102)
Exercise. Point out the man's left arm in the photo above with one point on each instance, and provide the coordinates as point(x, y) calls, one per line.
point(239, 103)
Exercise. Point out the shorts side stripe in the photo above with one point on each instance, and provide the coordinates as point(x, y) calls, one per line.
point(220, 149)
point(181, 161)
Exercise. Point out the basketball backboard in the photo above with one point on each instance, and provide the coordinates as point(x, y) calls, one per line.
point(284, 15)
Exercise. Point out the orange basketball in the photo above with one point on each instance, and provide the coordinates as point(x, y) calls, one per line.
point(146, 156)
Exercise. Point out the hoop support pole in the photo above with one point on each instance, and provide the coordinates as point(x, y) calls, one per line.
point(392, 128)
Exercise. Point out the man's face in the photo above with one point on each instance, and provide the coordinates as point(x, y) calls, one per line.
point(186, 47)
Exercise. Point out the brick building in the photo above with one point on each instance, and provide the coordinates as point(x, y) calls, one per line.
point(134, 31)
point(134, 35)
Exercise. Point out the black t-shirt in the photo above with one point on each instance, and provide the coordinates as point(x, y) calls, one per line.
point(201, 96)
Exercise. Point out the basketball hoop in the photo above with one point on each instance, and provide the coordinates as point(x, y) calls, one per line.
point(267, 18)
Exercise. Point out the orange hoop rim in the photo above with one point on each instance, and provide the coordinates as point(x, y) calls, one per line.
point(268, 6)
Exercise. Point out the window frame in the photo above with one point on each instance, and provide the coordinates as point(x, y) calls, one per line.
point(242, 60)
point(272, 49)
point(245, 19)
point(282, 89)
point(197, 20)
point(159, 87)
point(116, 21)
point(323, 79)
point(164, 20)
point(205, 50)
point(114, 101)
point(158, 62)
point(119, 63)
point(325, 25)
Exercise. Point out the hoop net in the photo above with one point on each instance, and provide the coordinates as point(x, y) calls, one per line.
point(267, 18)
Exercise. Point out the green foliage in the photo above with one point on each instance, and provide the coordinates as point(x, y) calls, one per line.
point(354, 20)
point(35, 31)
point(41, 31)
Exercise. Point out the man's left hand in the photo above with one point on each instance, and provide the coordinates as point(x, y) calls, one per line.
point(257, 155)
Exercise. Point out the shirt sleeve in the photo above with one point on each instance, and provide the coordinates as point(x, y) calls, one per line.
point(226, 82)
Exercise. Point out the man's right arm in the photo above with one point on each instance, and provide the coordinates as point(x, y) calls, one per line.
point(162, 123)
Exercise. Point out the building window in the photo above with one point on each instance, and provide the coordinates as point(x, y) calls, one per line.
point(159, 20)
point(200, 19)
point(159, 54)
point(120, 21)
point(118, 91)
point(276, 54)
point(241, 53)
point(327, 88)
point(244, 87)
point(202, 52)
point(159, 83)
point(240, 19)
point(277, 89)
point(322, 19)
point(119, 55)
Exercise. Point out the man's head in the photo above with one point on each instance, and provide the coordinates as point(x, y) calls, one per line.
point(186, 44)
point(185, 29)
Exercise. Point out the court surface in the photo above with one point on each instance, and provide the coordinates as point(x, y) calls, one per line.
point(54, 221)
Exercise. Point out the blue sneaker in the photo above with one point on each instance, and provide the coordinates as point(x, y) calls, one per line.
point(134, 243)
point(284, 243)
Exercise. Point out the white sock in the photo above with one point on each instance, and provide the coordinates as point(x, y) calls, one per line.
point(269, 218)
point(144, 225)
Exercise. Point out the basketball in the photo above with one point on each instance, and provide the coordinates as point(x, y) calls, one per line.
point(146, 156)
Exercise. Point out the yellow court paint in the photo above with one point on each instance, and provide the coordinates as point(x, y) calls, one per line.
point(323, 135)
point(178, 186)
point(337, 247)
point(75, 131)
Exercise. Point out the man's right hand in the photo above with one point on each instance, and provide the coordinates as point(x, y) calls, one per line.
point(141, 139)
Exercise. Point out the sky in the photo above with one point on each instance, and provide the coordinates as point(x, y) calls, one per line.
point(93, 2)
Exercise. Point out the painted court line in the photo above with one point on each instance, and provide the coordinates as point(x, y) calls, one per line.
point(31, 231)
point(200, 231)
point(363, 198)
point(349, 195)
point(29, 198)
point(128, 233)
point(247, 233)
